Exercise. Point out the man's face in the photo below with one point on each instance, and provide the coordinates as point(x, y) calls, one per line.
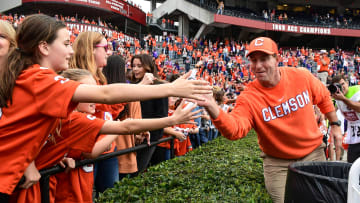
point(264, 67)
point(344, 85)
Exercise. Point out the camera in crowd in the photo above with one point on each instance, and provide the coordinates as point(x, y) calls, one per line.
point(335, 87)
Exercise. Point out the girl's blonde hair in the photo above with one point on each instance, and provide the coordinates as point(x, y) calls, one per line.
point(83, 57)
point(218, 95)
point(76, 74)
point(9, 32)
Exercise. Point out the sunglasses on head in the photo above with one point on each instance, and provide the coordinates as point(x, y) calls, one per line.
point(106, 46)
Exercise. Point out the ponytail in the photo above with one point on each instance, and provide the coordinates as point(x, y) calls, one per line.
point(17, 61)
point(31, 32)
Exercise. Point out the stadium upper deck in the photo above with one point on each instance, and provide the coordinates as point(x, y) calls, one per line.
point(306, 23)
point(125, 16)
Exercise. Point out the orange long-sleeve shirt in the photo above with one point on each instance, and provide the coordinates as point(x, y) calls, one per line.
point(282, 116)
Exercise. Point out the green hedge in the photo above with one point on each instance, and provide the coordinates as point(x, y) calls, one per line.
point(219, 171)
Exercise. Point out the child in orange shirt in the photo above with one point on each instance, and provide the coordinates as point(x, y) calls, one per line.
point(184, 146)
point(30, 101)
point(77, 141)
point(77, 187)
point(170, 131)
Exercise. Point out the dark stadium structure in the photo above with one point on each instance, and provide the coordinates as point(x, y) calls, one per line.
point(131, 21)
point(310, 23)
point(300, 13)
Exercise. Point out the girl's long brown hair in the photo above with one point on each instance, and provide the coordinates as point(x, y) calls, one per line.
point(31, 32)
point(149, 64)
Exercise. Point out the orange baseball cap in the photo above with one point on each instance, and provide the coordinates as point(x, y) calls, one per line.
point(263, 44)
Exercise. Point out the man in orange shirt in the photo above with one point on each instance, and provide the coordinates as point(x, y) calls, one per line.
point(323, 62)
point(281, 112)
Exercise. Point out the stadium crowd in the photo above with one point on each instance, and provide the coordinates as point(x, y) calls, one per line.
point(311, 16)
point(160, 60)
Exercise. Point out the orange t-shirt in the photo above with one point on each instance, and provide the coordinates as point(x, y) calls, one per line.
point(114, 35)
point(73, 135)
point(322, 66)
point(282, 116)
point(184, 146)
point(127, 162)
point(332, 51)
point(77, 185)
point(108, 112)
point(166, 144)
point(33, 194)
point(40, 98)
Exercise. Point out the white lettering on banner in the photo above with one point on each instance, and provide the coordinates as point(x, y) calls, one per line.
point(291, 28)
point(283, 109)
point(85, 1)
point(279, 27)
point(117, 4)
point(115, 8)
point(95, 28)
point(301, 29)
point(94, 2)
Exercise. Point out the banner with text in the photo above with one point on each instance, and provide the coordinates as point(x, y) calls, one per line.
point(258, 24)
point(95, 28)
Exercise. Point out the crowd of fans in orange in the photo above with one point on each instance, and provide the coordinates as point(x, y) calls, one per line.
point(220, 62)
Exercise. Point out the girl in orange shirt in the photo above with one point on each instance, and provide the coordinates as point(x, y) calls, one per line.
point(91, 53)
point(78, 185)
point(78, 142)
point(30, 101)
point(170, 131)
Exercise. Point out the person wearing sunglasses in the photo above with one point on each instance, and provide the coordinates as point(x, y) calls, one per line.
point(105, 46)
point(91, 51)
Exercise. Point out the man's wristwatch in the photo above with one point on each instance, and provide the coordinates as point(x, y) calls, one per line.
point(338, 123)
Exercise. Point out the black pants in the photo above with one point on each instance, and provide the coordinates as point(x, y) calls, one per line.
point(353, 152)
point(143, 157)
point(158, 156)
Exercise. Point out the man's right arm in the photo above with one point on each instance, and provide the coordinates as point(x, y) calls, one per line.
point(234, 125)
point(212, 108)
